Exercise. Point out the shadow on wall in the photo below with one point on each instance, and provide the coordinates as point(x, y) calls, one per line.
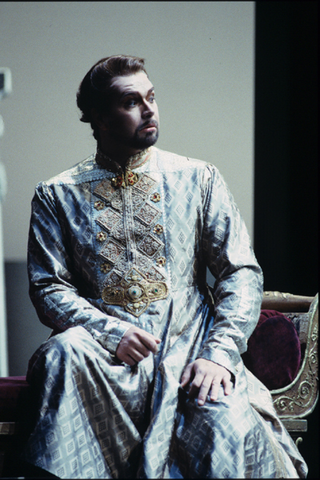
point(25, 332)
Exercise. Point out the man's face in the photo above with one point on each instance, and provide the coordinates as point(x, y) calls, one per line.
point(133, 118)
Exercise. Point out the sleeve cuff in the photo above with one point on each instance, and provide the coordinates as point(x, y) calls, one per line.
point(112, 334)
point(228, 360)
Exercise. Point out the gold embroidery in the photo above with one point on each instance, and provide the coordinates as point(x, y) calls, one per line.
point(145, 184)
point(104, 190)
point(116, 201)
point(138, 198)
point(108, 219)
point(148, 214)
point(146, 233)
point(112, 251)
point(150, 245)
point(135, 292)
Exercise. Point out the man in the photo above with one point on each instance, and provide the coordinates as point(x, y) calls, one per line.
point(143, 375)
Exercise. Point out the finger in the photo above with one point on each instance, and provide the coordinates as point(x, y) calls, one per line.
point(204, 390)
point(227, 384)
point(135, 343)
point(138, 356)
point(215, 390)
point(186, 376)
point(141, 349)
point(130, 354)
point(149, 341)
point(196, 384)
point(133, 357)
point(129, 360)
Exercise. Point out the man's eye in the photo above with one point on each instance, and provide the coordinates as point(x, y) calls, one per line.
point(131, 103)
point(152, 99)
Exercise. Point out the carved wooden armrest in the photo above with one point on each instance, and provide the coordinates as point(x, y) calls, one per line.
point(299, 398)
point(286, 302)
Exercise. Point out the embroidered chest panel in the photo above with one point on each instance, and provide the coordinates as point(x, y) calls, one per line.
point(130, 236)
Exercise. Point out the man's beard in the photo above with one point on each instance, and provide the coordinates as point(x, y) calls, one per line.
point(146, 139)
point(138, 140)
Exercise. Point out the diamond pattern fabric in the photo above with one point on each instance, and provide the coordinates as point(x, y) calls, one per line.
point(105, 255)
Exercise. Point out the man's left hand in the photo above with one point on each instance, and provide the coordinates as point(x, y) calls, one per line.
point(205, 377)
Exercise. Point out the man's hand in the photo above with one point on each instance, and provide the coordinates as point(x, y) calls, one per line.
point(206, 376)
point(135, 345)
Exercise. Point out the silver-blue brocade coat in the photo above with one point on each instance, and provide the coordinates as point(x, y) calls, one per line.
point(109, 249)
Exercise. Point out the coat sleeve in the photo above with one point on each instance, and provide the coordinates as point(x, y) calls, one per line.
point(238, 288)
point(52, 281)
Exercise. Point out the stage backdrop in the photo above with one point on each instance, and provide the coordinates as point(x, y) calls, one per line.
point(200, 57)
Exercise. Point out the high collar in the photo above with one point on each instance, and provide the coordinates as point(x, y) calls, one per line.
point(133, 162)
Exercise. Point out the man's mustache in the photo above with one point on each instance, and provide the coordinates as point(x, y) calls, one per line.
point(149, 123)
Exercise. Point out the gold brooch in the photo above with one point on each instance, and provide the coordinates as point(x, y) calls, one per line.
point(161, 261)
point(105, 267)
point(155, 197)
point(128, 179)
point(99, 205)
point(132, 178)
point(101, 236)
point(118, 181)
point(134, 292)
point(158, 229)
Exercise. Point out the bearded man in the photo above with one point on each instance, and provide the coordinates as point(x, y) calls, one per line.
point(143, 377)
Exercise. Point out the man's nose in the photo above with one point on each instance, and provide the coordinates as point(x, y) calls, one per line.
point(148, 110)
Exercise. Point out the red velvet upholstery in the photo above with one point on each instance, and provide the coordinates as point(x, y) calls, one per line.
point(13, 394)
point(274, 350)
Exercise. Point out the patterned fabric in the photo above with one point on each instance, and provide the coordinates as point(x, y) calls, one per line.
point(100, 251)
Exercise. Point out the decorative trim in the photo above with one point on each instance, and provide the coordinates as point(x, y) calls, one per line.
point(299, 399)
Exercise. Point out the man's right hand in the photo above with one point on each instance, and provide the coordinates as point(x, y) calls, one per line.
point(135, 345)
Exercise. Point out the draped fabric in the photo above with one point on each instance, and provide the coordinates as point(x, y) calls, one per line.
point(110, 249)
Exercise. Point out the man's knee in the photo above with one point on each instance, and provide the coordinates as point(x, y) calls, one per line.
point(58, 351)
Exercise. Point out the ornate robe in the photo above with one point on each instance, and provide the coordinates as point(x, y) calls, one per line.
point(109, 249)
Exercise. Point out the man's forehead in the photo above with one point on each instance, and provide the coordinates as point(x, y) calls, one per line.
point(138, 82)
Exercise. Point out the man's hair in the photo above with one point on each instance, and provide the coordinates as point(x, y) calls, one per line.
point(94, 90)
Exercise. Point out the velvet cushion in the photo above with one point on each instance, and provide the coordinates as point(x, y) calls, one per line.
point(13, 395)
point(274, 351)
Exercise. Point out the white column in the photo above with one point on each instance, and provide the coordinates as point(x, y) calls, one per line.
point(5, 89)
point(3, 319)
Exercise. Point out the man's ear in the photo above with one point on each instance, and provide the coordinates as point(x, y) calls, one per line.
point(100, 119)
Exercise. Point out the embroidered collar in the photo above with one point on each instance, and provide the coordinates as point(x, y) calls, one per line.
point(133, 162)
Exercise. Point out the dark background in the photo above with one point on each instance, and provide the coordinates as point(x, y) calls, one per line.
point(286, 159)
